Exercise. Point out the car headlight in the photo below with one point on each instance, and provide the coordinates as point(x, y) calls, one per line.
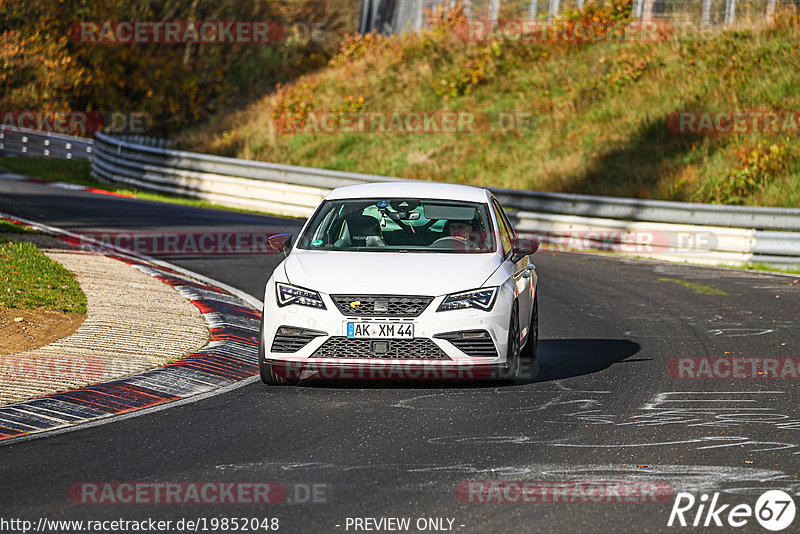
point(289, 294)
point(483, 299)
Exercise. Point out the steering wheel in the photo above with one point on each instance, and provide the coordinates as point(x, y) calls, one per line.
point(454, 241)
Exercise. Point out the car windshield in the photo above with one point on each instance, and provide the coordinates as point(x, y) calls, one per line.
point(394, 224)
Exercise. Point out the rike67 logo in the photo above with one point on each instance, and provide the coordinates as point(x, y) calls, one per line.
point(774, 510)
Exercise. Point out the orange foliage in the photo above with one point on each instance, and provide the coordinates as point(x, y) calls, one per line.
point(44, 66)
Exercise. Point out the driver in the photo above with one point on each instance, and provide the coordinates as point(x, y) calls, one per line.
point(460, 229)
point(463, 230)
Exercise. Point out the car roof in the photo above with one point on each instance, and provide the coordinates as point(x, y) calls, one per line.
point(411, 190)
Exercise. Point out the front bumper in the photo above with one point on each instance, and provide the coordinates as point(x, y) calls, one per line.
point(435, 352)
point(375, 369)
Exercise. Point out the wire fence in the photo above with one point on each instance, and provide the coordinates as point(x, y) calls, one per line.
point(704, 13)
point(393, 16)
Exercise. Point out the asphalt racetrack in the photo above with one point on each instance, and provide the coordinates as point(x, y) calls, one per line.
point(607, 405)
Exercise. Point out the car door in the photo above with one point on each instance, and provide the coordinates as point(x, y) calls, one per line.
point(520, 269)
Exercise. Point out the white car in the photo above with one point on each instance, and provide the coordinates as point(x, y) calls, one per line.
point(401, 280)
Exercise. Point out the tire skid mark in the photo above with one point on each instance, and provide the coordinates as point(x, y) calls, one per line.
point(705, 409)
point(689, 478)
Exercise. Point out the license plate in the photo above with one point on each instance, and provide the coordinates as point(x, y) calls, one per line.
point(380, 330)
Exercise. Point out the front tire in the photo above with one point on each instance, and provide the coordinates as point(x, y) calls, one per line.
point(531, 349)
point(511, 374)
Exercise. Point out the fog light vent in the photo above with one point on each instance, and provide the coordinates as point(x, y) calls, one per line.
point(475, 343)
point(474, 335)
point(289, 331)
point(292, 338)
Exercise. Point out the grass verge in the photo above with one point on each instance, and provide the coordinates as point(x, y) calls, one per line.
point(29, 279)
point(758, 266)
point(7, 227)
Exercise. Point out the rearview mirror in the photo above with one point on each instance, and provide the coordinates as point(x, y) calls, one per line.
point(404, 215)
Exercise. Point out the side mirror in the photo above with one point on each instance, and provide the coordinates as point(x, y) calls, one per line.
point(523, 247)
point(281, 243)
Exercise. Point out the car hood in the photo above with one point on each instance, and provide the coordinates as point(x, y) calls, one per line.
point(388, 272)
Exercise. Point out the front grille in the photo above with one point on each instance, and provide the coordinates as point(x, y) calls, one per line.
point(289, 339)
point(411, 349)
point(381, 305)
point(477, 347)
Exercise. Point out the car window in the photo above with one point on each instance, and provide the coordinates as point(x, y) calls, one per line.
point(511, 230)
point(391, 224)
point(506, 232)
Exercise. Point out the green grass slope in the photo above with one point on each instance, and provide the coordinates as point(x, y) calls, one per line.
point(598, 113)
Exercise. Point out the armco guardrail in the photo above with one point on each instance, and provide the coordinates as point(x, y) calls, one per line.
point(698, 232)
point(34, 143)
point(653, 210)
point(703, 233)
point(711, 245)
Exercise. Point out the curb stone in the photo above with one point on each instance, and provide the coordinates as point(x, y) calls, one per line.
point(230, 356)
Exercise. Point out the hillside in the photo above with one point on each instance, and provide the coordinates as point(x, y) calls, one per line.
point(599, 116)
point(84, 57)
